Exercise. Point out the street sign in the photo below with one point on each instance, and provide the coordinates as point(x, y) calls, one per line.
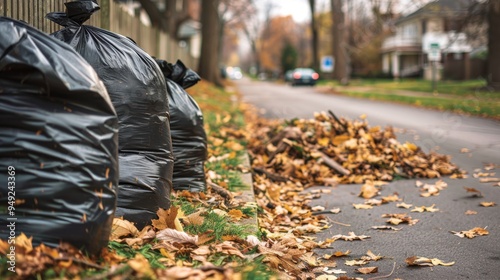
point(327, 64)
point(434, 52)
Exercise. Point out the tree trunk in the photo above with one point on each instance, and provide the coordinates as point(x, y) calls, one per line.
point(494, 44)
point(208, 66)
point(315, 36)
point(340, 71)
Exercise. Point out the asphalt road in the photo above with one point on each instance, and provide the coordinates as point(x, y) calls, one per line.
point(477, 258)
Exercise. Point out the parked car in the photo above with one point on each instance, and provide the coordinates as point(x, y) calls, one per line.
point(304, 76)
point(234, 73)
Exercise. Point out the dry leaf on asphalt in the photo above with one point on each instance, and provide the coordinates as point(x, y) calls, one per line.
point(397, 219)
point(477, 231)
point(355, 262)
point(487, 204)
point(474, 192)
point(470, 212)
point(386, 228)
point(351, 237)
point(422, 261)
point(404, 205)
point(425, 209)
point(368, 190)
point(367, 270)
point(362, 206)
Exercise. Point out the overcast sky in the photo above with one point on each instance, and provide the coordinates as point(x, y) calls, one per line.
point(299, 9)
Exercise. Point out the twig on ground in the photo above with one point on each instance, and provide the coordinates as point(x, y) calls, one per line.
point(384, 276)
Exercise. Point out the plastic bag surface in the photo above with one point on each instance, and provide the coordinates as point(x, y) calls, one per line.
point(137, 89)
point(58, 142)
point(189, 138)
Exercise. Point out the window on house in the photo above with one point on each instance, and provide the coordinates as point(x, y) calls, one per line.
point(410, 30)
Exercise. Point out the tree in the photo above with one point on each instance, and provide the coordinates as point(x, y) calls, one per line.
point(315, 36)
point(288, 57)
point(208, 65)
point(494, 44)
point(340, 71)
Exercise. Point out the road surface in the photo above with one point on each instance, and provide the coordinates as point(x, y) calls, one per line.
point(477, 258)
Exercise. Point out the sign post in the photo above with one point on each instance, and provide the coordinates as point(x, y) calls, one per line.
point(434, 56)
point(327, 64)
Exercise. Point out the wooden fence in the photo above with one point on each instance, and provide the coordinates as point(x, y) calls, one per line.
point(111, 16)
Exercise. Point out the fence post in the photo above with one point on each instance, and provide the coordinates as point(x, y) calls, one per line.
point(105, 14)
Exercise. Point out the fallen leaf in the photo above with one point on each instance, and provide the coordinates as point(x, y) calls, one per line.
point(355, 262)
point(421, 261)
point(362, 206)
point(351, 237)
point(425, 209)
point(166, 218)
point(477, 231)
point(122, 228)
point(326, 277)
point(404, 205)
point(474, 191)
point(470, 212)
point(487, 204)
point(368, 190)
point(386, 228)
point(235, 214)
point(172, 235)
point(367, 270)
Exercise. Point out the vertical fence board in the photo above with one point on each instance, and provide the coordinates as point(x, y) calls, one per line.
point(111, 16)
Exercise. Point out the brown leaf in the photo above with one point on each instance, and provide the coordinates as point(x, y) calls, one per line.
point(404, 205)
point(474, 191)
point(122, 228)
point(141, 266)
point(477, 231)
point(166, 218)
point(367, 270)
point(422, 261)
point(425, 209)
point(355, 262)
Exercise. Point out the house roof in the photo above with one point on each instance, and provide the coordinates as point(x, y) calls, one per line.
point(439, 7)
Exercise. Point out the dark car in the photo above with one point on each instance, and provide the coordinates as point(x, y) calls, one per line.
point(304, 76)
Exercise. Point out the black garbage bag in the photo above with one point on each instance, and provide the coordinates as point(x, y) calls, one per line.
point(189, 139)
point(137, 89)
point(58, 142)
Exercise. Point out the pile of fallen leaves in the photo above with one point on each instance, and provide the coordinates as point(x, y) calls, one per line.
point(327, 150)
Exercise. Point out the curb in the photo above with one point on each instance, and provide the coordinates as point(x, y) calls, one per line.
point(246, 195)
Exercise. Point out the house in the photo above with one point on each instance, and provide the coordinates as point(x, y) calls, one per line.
point(430, 34)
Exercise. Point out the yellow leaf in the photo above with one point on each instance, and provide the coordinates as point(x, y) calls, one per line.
point(141, 266)
point(404, 205)
point(324, 141)
point(487, 204)
point(338, 140)
point(235, 214)
point(368, 190)
point(362, 206)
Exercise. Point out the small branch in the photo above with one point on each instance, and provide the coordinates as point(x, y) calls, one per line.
point(337, 120)
point(334, 165)
point(227, 195)
point(384, 276)
point(271, 176)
